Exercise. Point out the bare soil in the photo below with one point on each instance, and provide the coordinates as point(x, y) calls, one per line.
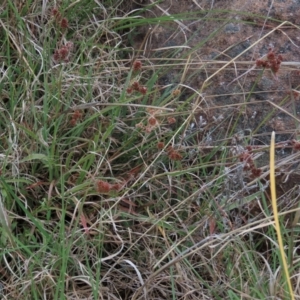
point(225, 30)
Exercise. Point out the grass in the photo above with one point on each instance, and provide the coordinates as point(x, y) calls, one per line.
point(120, 181)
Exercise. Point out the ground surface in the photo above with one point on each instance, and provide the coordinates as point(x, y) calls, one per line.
point(243, 44)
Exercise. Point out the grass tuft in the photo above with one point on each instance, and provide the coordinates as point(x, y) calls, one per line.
point(133, 170)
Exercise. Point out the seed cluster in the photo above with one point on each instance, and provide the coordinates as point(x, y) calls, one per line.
point(272, 62)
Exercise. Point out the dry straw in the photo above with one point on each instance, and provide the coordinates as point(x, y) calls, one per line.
point(276, 217)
